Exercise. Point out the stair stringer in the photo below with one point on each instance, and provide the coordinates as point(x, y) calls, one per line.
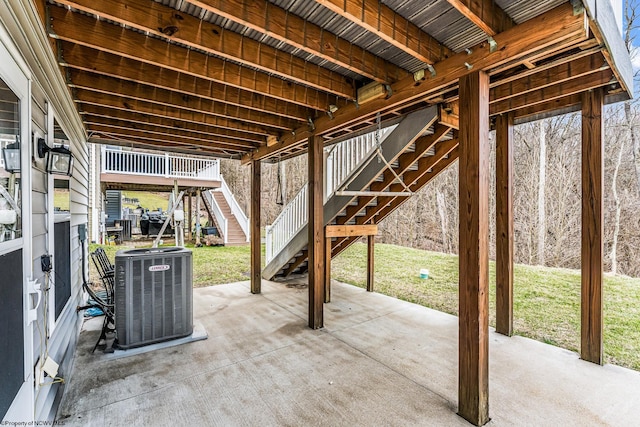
point(407, 131)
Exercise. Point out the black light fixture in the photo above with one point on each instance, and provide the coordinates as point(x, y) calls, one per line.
point(59, 159)
point(11, 156)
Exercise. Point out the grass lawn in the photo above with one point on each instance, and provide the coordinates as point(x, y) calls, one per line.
point(212, 265)
point(546, 300)
point(147, 199)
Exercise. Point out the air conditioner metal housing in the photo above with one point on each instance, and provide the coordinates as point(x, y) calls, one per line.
point(153, 295)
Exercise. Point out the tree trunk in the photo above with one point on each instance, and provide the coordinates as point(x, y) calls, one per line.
point(635, 144)
point(613, 255)
point(442, 211)
point(542, 223)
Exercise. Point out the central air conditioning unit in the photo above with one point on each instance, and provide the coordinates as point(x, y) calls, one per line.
point(153, 295)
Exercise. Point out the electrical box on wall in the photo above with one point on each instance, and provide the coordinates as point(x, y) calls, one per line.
point(35, 159)
point(82, 232)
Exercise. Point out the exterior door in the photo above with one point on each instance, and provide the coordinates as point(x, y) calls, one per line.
point(17, 296)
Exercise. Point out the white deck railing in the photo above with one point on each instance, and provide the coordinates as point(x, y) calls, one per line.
point(160, 165)
point(343, 161)
point(292, 218)
point(235, 207)
point(223, 223)
point(346, 157)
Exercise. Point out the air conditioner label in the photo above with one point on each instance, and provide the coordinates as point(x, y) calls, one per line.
point(163, 267)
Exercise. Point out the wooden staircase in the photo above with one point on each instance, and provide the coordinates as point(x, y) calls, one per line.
point(232, 223)
point(417, 150)
point(235, 235)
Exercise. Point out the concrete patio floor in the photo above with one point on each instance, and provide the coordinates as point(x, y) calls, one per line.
point(378, 361)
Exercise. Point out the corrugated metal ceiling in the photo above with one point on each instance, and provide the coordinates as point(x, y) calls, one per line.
point(436, 17)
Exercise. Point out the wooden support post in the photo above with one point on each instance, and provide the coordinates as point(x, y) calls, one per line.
point(256, 248)
point(198, 197)
point(473, 378)
point(190, 217)
point(592, 222)
point(316, 233)
point(327, 269)
point(504, 224)
point(370, 264)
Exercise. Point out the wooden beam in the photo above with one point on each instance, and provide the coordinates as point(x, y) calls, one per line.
point(98, 62)
point(568, 103)
point(384, 22)
point(350, 230)
point(86, 97)
point(97, 34)
point(557, 27)
point(449, 115)
point(504, 224)
point(125, 141)
point(590, 81)
point(131, 119)
point(256, 247)
point(327, 269)
point(485, 14)
point(592, 226)
point(473, 378)
point(316, 233)
point(152, 131)
point(168, 143)
point(370, 262)
point(125, 88)
point(267, 18)
point(223, 143)
point(166, 22)
point(545, 77)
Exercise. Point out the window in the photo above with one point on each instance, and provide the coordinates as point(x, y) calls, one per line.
point(10, 162)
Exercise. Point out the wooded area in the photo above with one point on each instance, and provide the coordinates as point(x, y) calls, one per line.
point(546, 217)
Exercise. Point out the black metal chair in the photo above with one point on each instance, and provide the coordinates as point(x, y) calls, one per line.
point(102, 296)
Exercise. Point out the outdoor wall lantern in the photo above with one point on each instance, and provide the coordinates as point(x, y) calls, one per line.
point(11, 156)
point(59, 159)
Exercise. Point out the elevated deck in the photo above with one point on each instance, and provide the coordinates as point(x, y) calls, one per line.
point(144, 171)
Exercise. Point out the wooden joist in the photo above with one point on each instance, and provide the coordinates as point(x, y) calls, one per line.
point(559, 26)
point(267, 18)
point(154, 131)
point(350, 230)
point(166, 22)
point(381, 20)
point(485, 14)
point(590, 81)
point(98, 62)
point(126, 141)
point(101, 35)
point(86, 97)
point(92, 113)
point(158, 140)
point(125, 88)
